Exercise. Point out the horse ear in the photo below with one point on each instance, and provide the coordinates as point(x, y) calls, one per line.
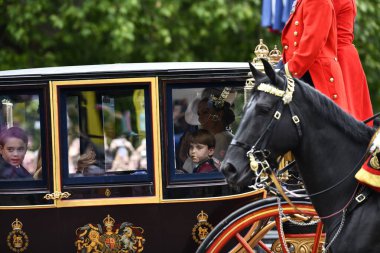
point(269, 71)
point(255, 73)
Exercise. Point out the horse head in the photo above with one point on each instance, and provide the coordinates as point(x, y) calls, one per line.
point(265, 130)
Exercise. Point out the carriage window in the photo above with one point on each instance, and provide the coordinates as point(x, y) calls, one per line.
point(20, 137)
point(106, 134)
point(204, 121)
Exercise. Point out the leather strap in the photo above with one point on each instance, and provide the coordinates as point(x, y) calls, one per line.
point(281, 191)
point(362, 195)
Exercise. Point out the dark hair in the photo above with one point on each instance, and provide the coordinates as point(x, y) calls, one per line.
point(204, 137)
point(228, 115)
point(14, 132)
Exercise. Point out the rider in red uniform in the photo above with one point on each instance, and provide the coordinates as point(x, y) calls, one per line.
point(359, 101)
point(309, 41)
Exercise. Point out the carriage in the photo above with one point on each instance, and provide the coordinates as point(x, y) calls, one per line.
point(106, 174)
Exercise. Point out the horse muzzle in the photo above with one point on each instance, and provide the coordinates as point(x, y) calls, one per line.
point(235, 177)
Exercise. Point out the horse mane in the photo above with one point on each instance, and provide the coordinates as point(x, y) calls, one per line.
point(357, 130)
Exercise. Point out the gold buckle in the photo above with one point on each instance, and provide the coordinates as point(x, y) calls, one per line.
point(296, 120)
point(360, 198)
point(277, 115)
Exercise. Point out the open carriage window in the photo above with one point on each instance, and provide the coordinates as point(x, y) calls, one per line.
point(106, 134)
point(20, 139)
point(204, 119)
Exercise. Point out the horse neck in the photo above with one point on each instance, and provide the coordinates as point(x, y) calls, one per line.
point(325, 156)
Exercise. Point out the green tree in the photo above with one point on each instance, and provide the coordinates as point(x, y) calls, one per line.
point(43, 33)
point(367, 41)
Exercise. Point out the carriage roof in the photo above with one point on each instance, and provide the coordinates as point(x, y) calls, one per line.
point(157, 67)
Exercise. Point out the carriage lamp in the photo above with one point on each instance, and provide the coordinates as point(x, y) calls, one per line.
point(274, 56)
point(261, 51)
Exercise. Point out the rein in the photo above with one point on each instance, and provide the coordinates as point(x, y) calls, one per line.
point(371, 118)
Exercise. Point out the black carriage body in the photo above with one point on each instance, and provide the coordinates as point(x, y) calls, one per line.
point(85, 108)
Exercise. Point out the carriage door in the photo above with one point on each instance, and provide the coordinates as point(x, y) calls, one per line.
point(106, 158)
point(25, 178)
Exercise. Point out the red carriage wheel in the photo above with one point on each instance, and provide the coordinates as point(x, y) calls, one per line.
point(257, 227)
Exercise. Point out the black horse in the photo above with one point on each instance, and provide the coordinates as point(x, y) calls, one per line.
point(328, 145)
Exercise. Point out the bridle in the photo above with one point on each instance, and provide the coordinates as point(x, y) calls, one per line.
point(258, 152)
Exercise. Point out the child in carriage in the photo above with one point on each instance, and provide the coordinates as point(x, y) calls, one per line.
point(13, 147)
point(201, 151)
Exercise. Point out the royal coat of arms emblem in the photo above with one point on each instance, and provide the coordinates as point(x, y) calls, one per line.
point(109, 238)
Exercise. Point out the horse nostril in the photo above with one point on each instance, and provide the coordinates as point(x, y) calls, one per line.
point(228, 170)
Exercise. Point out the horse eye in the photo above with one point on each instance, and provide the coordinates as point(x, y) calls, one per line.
point(264, 108)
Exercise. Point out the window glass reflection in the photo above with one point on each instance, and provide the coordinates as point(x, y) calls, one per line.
point(106, 133)
point(204, 120)
point(20, 137)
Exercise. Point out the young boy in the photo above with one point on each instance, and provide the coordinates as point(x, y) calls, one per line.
point(202, 147)
point(13, 147)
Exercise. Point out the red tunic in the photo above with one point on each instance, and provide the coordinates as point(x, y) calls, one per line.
point(359, 101)
point(309, 41)
point(205, 167)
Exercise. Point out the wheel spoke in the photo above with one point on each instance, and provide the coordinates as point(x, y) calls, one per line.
point(264, 247)
point(317, 238)
point(244, 243)
point(255, 240)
